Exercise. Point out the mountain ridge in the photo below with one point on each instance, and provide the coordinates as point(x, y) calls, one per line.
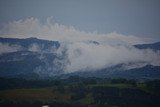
point(41, 64)
point(155, 46)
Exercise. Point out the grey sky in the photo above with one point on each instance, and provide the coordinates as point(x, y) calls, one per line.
point(131, 17)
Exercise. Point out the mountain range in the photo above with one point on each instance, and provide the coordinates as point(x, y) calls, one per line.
point(36, 58)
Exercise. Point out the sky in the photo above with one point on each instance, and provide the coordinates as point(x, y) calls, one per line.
point(128, 17)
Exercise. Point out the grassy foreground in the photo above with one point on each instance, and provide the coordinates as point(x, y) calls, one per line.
point(116, 93)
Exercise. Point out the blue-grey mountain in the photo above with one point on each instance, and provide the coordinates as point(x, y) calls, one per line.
point(36, 58)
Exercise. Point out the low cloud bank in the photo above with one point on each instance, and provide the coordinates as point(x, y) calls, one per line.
point(83, 51)
point(89, 56)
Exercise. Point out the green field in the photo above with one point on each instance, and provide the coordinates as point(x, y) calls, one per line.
point(33, 94)
point(53, 94)
point(79, 94)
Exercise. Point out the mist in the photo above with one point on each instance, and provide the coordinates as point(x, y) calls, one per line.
point(6, 48)
point(84, 56)
point(82, 51)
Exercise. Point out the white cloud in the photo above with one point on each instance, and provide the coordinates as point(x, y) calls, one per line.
point(88, 56)
point(6, 48)
point(34, 48)
point(32, 27)
point(81, 54)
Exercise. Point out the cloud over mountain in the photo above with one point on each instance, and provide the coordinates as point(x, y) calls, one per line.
point(50, 30)
point(89, 56)
point(81, 51)
point(5, 48)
